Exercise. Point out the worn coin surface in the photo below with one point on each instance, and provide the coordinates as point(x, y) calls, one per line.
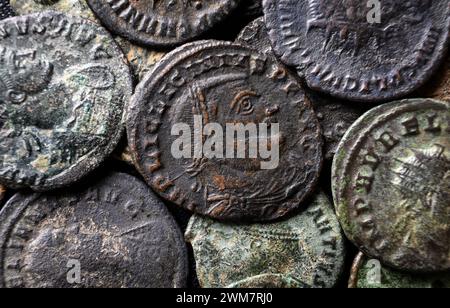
point(115, 233)
point(224, 84)
point(439, 85)
point(161, 23)
point(370, 273)
point(307, 249)
point(5, 10)
point(341, 48)
point(63, 87)
point(391, 184)
point(335, 116)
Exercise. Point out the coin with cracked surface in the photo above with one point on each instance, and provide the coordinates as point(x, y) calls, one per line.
point(335, 116)
point(391, 184)
point(439, 85)
point(63, 88)
point(342, 49)
point(161, 23)
point(5, 10)
point(114, 232)
point(306, 249)
point(222, 85)
point(370, 273)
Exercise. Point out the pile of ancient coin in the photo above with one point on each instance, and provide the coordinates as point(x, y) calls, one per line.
point(100, 98)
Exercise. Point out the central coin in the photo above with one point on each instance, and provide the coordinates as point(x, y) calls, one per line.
point(225, 132)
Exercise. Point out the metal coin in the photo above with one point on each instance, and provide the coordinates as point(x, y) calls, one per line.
point(112, 234)
point(307, 249)
point(223, 83)
point(161, 23)
point(5, 10)
point(355, 50)
point(335, 116)
point(370, 273)
point(63, 87)
point(439, 85)
point(391, 184)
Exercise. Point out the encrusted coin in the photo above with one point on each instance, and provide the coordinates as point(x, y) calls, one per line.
point(141, 59)
point(370, 273)
point(161, 23)
point(5, 10)
point(225, 86)
point(63, 87)
point(307, 249)
point(335, 116)
point(359, 50)
point(114, 233)
point(439, 85)
point(391, 184)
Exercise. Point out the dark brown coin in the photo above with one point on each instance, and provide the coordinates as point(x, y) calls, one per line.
point(161, 23)
point(391, 184)
point(335, 116)
point(63, 87)
point(114, 233)
point(5, 10)
point(224, 85)
point(359, 50)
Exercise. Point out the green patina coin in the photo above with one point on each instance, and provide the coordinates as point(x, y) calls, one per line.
point(370, 273)
point(64, 84)
point(307, 249)
point(391, 184)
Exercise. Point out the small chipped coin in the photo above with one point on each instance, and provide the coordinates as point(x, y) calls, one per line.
point(335, 116)
point(63, 87)
point(225, 85)
point(370, 273)
point(391, 184)
point(161, 23)
point(114, 233)
point(348, 50)
point(305, 250)
point(439, 86)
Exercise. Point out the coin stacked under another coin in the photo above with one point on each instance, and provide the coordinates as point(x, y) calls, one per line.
point(126, 123)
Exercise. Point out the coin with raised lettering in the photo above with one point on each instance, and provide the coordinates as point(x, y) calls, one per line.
point(335, 116)
point(370, 273)
point(358, 50)
point(439, 85)
point(5, 10)
point(391, 184)
point(113, 233)
point(161, 23)
point(306, 249)
point(224, 131)
point(63, 88)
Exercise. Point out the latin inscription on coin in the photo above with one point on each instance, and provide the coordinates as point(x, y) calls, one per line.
point(161, 23)
point(114, 233)
point(391, 184)
point(63, 87)
point(222, 84)
point(354, 50)
point(307, 249)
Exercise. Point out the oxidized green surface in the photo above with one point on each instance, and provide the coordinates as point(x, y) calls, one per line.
point(141, 59)
point(307, 249)
point(391, 184)
point(371, 274)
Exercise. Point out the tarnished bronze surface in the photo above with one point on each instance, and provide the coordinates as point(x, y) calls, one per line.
point(342, 49)
point(113, 233)
point(161, 23)
point(64, 85)
point(305, 250)
point(391, 184)
point(225, 83)
point(370, 273)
